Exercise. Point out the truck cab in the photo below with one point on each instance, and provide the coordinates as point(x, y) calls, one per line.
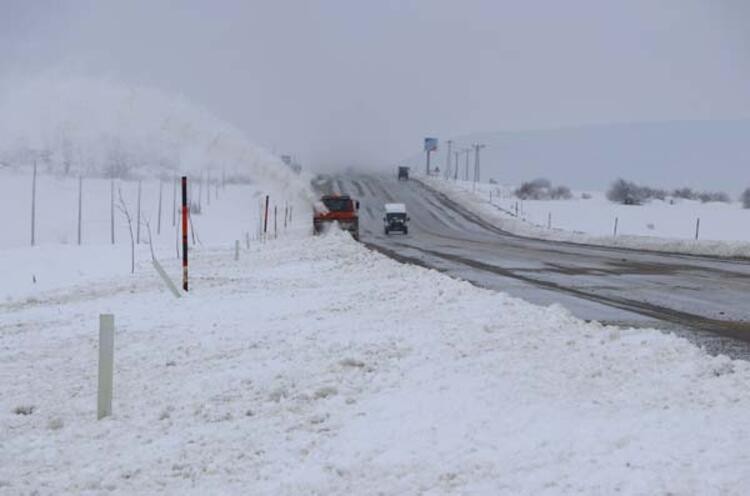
point(396, 218)
point(341, 209)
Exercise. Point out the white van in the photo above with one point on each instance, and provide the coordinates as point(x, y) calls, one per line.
point(395, 218)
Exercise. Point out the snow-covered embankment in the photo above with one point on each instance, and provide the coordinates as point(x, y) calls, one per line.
point(315, 366)
point(657, 227)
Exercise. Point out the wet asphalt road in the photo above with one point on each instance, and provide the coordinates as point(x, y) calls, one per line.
point(703, 299)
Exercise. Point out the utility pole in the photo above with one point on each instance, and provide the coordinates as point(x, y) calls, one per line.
point(448, 160)
point(477, 147)
point(455, 172)
point(430, 145)
point(466, 172)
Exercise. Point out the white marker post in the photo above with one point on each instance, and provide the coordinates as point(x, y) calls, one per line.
point(106, 365)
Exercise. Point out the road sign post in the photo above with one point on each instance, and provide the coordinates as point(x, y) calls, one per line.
point(430, 145)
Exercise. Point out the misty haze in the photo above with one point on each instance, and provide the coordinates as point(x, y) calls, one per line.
point(392, 247)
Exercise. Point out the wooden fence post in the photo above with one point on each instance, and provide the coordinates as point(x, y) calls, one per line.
point(138, 221)
point(265, 218)
point(158, 220)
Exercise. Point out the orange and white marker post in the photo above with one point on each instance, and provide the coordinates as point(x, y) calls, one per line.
point(185, 211)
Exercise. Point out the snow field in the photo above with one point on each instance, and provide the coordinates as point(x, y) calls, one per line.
point(231, 210)
point(658, 225)
point(314, 366)
point(57, 261)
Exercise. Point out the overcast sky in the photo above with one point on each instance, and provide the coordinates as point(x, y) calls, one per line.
point(343, 82)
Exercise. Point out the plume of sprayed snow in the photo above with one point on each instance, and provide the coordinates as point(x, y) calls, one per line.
point(100, 127)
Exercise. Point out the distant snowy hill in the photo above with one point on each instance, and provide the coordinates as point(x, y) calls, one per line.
point(700, 154)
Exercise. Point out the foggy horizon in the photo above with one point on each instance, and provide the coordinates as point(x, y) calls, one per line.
point(358, 84)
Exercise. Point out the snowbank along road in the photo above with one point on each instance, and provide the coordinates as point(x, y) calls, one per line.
point(704, 299)
point(268, 379)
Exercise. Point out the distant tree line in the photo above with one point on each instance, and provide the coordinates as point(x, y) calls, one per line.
point(542, 189)
point(630, 193)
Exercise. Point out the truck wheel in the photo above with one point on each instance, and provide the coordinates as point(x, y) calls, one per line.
point(406, 230)
point(386, 231)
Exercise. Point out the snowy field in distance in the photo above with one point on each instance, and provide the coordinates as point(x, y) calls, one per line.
point(232, 213)
point(656, 225)
point(97, 128)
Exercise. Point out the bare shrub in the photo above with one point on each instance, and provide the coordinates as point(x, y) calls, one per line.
point(653, 193)
point(541, 183)
point(745, 198)
point(24, 409)
point(685, 193)
point(528, 191)
point(561, 193)
point(625, 192)
point(541, 189)
point(118, 164)
point(629, 193)
point(714, 196)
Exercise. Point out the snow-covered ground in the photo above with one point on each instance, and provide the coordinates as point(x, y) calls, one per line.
point(310, 365)
point(232, 213)
point(313, 366)
point(724, 228)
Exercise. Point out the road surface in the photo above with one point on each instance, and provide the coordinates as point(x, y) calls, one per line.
point(706, 300)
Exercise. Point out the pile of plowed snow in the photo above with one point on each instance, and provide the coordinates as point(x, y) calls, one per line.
point(315, 366)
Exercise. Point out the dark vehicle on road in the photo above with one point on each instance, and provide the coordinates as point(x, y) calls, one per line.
point(395, 218)
point(403, 173)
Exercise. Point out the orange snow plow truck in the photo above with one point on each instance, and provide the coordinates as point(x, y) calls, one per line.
point(337, 208)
